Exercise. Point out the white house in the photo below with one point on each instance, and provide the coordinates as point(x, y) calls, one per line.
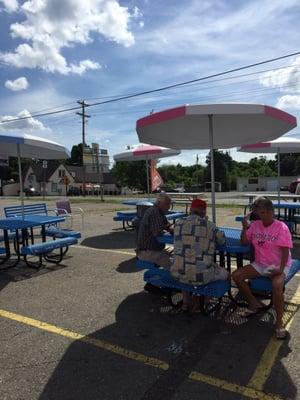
point(60, 179)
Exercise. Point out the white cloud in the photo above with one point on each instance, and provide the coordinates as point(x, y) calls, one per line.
point(51, 25)
point(289, 101)
point(10, 5)
point(28, 124)
point(18, 84)
point(287, 80)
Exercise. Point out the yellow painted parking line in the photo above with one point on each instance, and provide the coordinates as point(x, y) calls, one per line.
point(127, 253)
point(252, 393)
point(154, 362)
point(270, 354)
point(233, 387)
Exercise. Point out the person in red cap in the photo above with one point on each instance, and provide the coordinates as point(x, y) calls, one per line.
point(195, 240)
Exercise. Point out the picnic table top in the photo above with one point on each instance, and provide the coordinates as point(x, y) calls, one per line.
point(272, 195)
point(287, 205)
point(232, 245)
point(185, 194)
point(16, 223)
point(28, 221)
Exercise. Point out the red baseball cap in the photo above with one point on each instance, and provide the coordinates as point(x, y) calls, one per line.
point(198, 203)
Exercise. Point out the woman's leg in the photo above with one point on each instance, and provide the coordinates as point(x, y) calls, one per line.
point(239, 276)
point(278, 298)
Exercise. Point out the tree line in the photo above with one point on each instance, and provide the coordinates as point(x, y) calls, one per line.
point(133, 174)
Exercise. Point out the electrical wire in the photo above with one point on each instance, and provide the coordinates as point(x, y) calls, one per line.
point(163, 88)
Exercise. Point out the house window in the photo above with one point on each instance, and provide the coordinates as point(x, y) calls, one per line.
point(31, 178)
point(53, 187)
point(253, 181)
point(61, 173)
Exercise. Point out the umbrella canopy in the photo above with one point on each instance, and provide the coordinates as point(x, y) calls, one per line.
point(280, 145)
point(31, 147)
point(214, 126)
point(283, 144)
point(145, 152)
point(187, 127)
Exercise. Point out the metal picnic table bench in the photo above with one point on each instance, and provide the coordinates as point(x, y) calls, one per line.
point(63, 238)
point(128, 217)
point(160, 277)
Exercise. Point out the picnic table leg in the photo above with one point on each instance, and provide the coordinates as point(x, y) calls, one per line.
point(222, 259)
point(239, 264)
point(7, 250)
point(239, 260)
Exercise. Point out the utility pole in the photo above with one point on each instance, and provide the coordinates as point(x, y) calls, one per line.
point(83, 116)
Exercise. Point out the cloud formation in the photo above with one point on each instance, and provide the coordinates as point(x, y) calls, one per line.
point(29, 124)
point(18, 84)
point(287, 80)
point(10, 5)
point(51, 25)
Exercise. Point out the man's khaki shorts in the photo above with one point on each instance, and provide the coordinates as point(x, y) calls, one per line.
point(161, 258)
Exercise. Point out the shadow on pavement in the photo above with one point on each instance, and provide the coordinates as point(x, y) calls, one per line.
point(112, 240)
point(128, 266)
point(22, 272)
point(146, 324)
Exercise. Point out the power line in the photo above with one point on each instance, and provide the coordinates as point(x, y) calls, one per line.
point(194, 80)
point(163, 88)
point(211, 81)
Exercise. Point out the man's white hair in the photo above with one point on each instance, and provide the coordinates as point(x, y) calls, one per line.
point(162, 197)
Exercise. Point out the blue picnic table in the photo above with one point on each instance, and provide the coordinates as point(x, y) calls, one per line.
point(23, 223)
point(232, 244)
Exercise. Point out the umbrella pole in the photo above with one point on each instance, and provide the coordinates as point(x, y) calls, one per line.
point(148, 185)
point(212, 167)
point(278, 173)
point(20, 179)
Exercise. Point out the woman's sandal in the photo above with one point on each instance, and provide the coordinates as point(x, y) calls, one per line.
point(280, 333)
point(249, 313)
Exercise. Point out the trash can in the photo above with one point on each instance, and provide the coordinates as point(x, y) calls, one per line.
point(141, 208)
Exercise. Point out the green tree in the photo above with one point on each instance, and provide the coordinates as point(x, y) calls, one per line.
point(76, 155)
point(131, 174)
point(222, 163)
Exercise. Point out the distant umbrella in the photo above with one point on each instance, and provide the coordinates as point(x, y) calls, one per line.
point(29, 146)
point(145, 152)
point(280, 145)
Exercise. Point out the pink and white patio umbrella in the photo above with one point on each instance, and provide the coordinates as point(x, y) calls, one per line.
point(214, 126)
point(280, 145)
point(146, 152)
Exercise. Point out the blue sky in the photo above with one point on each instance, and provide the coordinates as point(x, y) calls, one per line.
point(55, 52)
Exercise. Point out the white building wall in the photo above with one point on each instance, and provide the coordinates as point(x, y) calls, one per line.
point(55, 184)
point(264, 183)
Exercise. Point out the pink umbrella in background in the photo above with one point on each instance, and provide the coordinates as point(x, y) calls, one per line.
point(280, 145)
point(145, 152)
point(214, 126)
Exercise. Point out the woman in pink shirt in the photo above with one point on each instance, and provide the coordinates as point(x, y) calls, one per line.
point(272, 242)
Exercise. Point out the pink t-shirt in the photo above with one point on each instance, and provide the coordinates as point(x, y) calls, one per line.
point(267, 241)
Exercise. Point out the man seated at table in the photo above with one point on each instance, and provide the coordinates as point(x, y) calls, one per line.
point(153, 224)
point(195, 240)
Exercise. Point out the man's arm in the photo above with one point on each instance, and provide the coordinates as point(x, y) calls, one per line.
point(158, 225)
